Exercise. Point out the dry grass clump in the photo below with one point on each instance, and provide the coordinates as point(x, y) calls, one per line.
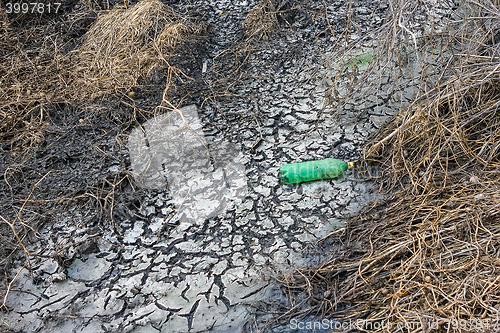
point(261, 20)
point(122, 46)
point(428, 256)
point(126, 44)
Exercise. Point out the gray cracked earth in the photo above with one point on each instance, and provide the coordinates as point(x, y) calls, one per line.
point(207, 242)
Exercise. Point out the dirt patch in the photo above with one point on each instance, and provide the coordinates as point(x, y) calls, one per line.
point(61, 146)
point(95, 214)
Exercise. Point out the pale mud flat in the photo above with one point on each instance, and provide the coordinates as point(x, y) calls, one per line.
point(218, 225)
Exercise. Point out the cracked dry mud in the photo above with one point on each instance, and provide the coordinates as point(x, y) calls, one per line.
point(158, 270)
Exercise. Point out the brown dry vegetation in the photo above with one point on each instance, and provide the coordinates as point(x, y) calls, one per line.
point(430, 252)
point(122, 46)
point(261, 20)
point(126, 44)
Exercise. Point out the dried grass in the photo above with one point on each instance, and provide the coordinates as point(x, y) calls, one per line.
point(428, 255)
point(261, 20)
point(126, 44)
point(122, 46)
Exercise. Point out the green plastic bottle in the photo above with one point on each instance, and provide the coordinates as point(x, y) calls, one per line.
point(295, 173)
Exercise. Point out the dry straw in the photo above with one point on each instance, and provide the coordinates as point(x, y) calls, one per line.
point(261, 20)
point(121, 47)
point(428, 256)
point(126, 44)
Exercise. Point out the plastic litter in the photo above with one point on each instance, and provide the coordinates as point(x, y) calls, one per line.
point(295, 173)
